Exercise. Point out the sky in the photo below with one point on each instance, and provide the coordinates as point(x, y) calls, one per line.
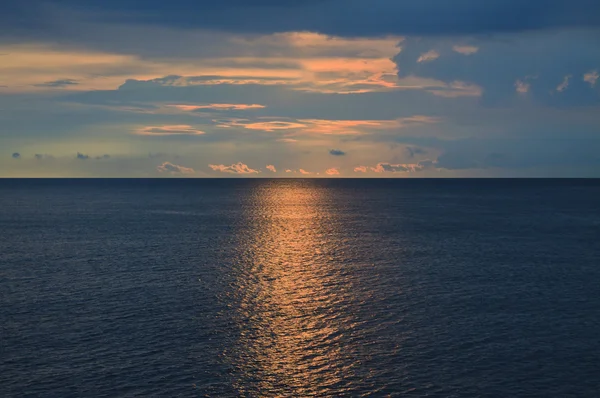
point(300, 88)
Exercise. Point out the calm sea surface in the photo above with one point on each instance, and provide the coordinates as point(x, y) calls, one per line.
point(297, 288)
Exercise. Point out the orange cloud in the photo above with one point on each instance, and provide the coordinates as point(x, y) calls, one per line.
point(272, 168)
point(360, 169)
point(236, 168)
point(263, 126)
point(332, 172)
point(304, 172)
point(179, 129)
point(344, 127)
point(327, 127)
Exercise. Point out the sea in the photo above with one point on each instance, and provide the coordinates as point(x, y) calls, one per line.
point(299, 288)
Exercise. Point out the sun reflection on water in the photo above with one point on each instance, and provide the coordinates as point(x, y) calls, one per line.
point(292, 296)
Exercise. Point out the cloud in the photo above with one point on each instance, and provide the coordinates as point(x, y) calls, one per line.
point(509, 64)
point(304, 172)
point(272, 168)
point(522, 87)
point(332, 172)
point(564, 85)
point(217, 107)
point(404, 168)
point(429, 56)
point(236, 168)
point(254, 125)
point(103, 157)
point(16, 155)
point(337, 152)
point(171, 168)
point(170, 130)
point(361, 169)
point(81, 156)
point(415, 150)
point(60, 83)
point(327, 127)
point(360, 18)
point(41, 156)
point(591, 77)
point(554, 156)
point(465, 50)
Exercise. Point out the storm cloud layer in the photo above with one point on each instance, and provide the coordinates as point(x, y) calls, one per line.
point(335, 17)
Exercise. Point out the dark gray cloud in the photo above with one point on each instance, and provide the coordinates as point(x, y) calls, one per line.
point(518, 153)
point(16, 155)
point(81, 156)
point(103, 157)
point(339, 17)
point(415, 150)
point(337, 152)
point(61, 83)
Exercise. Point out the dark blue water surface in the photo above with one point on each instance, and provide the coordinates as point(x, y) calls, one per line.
point(297, 288)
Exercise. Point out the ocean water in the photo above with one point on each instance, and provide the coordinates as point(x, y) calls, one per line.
point(298, 288)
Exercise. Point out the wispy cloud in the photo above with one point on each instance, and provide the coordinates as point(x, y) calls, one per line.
point(236, 168)
point(522, 87)
point(465, 50)
point(429, 56)
point(224, 107)
point(414, 150)
point(60, 83)
point(304, 172)
point(361, 169)
point(332, 172)
point(271, 168)
point(403, 168)
point(179, 129)
point(170, 168)
point(327, 127)
point(591, 77)
point(564, 85)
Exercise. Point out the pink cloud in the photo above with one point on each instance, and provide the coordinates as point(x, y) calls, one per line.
point(272, 168)
point(304, 172)
point(236, 168)
point(360, 169)
point(332, 172)
point(171, 168)
point(236, 107)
